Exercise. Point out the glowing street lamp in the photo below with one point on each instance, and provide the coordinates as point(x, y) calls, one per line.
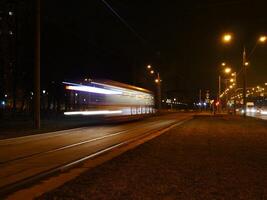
point(223, 64)
point(227, 38)
point(157, 80)
point(227, 70)
point(262, 39)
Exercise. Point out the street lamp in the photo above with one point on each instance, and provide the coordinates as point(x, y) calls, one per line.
point(158, 82)
point(263, 39)
point(227, 70)
point(227, 38)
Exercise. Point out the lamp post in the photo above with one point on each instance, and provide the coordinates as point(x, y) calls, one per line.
point(158, 82)
point(244, 83)
point(226, 70)
point(219, 94)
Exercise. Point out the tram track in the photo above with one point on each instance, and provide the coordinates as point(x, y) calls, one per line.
point(147, 130)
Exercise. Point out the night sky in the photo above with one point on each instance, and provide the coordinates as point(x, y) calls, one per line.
point(181, 39)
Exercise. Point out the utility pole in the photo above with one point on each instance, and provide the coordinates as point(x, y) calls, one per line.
point(37, 120)
point(244, 83)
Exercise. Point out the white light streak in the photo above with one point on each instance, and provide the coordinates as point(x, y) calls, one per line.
point(94, 112)
point(263, 112)
point(84, 88)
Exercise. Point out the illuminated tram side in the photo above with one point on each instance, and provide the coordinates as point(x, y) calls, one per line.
point(108, 98)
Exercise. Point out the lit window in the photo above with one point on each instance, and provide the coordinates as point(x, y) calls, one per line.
point(10, 13)
point(11, 33)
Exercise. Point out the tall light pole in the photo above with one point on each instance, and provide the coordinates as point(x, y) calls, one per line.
point(37, 121)
point(244, 83)
point(219, 94)
point(158, 82)
point(226, 70)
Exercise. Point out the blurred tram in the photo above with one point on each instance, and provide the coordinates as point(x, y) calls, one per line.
point(108, 99)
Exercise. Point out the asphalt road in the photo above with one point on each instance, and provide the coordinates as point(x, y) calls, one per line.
point(207, 158)
point(25, 157)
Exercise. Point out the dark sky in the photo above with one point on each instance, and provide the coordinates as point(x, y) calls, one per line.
point(180, 38)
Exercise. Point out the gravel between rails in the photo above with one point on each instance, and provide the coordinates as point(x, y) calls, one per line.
point(206, 158)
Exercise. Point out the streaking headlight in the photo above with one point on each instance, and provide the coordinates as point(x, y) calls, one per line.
point(264, 112)
point(253, 110)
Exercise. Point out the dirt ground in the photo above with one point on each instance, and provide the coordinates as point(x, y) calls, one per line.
point(206, 158)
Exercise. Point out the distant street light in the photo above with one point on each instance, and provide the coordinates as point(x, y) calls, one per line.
point(149, 67)
point(152, 72)
point(223, 64)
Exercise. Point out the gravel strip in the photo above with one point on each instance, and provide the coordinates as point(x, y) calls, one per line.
point(206, 158)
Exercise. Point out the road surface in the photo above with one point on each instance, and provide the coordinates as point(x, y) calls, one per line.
point(26, 157)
